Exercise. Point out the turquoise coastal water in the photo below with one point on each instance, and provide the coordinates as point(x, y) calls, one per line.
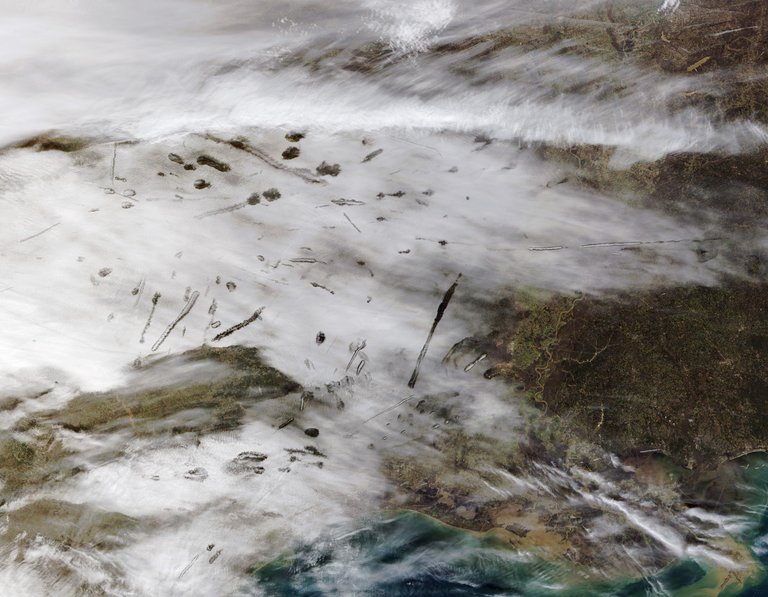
point(756, 477)
point(410, 554)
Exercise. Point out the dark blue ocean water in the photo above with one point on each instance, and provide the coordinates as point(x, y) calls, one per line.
point(409, 554)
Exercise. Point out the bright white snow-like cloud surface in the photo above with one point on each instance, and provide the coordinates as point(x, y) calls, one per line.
point(362, 256)
point(344, 251)
point(148, 69)
point(104, 248)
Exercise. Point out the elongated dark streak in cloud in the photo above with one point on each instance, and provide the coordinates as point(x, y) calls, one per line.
point(631, 243)
point(353, 224)
point(184, 312)
point(358, 348)
point(23, 240)
point(155, 299)
point(440, 312)
point(243, 145)
point(239, 326)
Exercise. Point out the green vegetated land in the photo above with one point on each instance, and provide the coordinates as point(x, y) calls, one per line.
point(250, 379)
point(74, 525)
point(673, 380)
point(721, 50)
point(32, 453)
point(682, 370)
point(679, 369)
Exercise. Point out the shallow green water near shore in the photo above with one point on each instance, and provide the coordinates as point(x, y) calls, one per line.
point(410, 554)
